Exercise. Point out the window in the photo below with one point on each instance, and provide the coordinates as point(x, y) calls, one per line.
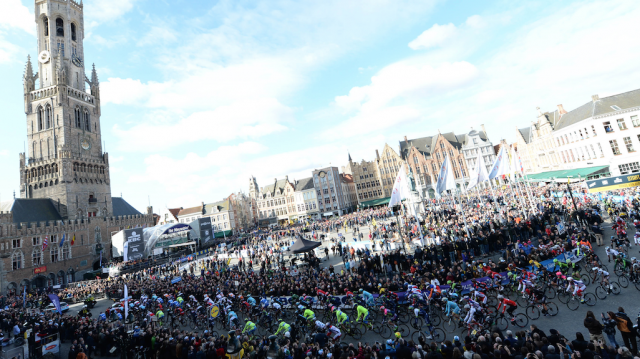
point(16, 243)
point(607, 127)
point(35, 241)
point(17, 260)
point(59, 27)
point(60, 47)
point(627, 142)
point(55, 253)
point(45, 24)
point(600, 149)
point(40, 118)
point(614, 147)
point(73, 32)
point(36, 256)
point(621, 124)
point(627, 168)
point(635, 121)
point(441, 144)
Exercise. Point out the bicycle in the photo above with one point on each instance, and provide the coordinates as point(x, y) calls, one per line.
point(350, 330)
point(533, 310)
point(603, 290)
point(520, 320)
point(574, 302)
point(436, 334)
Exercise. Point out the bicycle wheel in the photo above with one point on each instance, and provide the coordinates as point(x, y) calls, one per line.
point(521, 300)
point(492, 301)
point(550, 292)
point(438, 335)
point(450, 325)
point(356, 334)
point(404, 330)
point(376, 329)
point(502, 323)
point(585, 278)
point(435, 320)
point(601, 292)
point(624, 281)
point(618, 270)
point(590, 299)
point(419, 337)
point(532, 312)
point(362, 327)
point(564, 297)
point(521, 320)
point(552, 309)
point(416, 323)
point(573, 303)
point(636, 283)
point(385, 331)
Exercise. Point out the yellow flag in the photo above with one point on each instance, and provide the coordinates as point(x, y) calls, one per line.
point(374, 222)
point(228, 261)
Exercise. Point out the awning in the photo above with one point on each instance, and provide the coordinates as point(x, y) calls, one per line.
point(222, 234)
point(375, 202)
point(583, 173)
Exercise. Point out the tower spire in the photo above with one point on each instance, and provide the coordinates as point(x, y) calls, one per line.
point(28, 71)
point(94, 76)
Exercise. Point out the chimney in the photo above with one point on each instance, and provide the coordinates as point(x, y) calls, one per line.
point(561, 109)
point(378, 154)
point(595, 98)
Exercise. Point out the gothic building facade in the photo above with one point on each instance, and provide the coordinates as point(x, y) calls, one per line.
point(65, 189)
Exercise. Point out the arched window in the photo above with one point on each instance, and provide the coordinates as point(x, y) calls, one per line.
point(59, 27)
point(45, 24)
point(36, 256)
point(40, 118)
point(87, 126)
point(16, 258)
point(66, 251)
point(54, 252)
point(47, 115)
point(78, 118)
point(73, 32)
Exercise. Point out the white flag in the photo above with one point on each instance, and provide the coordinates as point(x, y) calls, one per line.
point(478, 174)
point(512, 164)
point(400, 188)
point(446, 179)
point(519, 168)
point(126, 302)
point(501, 165)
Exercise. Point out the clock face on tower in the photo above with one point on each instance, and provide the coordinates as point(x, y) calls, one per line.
point(322, 174)
point(86, 143)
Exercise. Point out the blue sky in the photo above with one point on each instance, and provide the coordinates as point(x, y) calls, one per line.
point(199, 95)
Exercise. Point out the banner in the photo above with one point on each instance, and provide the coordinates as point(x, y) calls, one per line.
point(611, 183)
point(500, 165)
point(400, 188)
point(206, 234)
point(176, 280)
point(135, 244)
point(56, 302)
point(446, 179)
point(126, 302)
point(479, 173)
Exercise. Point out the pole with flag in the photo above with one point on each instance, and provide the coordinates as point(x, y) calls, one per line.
point(73, 239)
point(126, 302)
point(446, 181)
point(45, 243)
point(400, 191)
point(62, 241)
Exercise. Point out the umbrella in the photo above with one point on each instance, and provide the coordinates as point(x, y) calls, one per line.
point(302, 246)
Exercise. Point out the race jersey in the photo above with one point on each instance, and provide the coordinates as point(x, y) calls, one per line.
point(362, 312)
point(506, 302)
point(309, 314)
point(334, 330)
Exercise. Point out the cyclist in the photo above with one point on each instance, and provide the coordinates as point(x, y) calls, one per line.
point(507, 304)
point(540, 297)
point(480, 297)
point(282, 327)
point(249, 328)
point(333, 332)
point(364, 313)
point(264, 302)
point(341, 317)
point(308, 315)
point(578, 287)
point(472, 308)
point(251, 301)
point(421, 312)
point(233, 320)
point(392, 317)
point(368, 297)
point(160, 315)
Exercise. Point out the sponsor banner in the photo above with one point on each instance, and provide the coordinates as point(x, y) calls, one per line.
point(176, 280)
point(611, 183)
point(53, 347)
point(206, 233)
point(39, 270)
point(135, 244)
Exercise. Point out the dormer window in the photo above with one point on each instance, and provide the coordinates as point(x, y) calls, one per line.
point(475, 141)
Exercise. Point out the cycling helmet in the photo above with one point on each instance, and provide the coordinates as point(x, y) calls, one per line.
point(568, 260)
point(300, 307)
point(556, 259)
point(333, 309)
point(633, 259)
point(466, 306)
point(279, 320)
point(449, 282)
point(346, 290)
point(607, 248)
point(360, 290)
point(570, 279)
point(445, 299)
point(382, 308)
point(328, 325)
point(595, 269)
point(500, 296)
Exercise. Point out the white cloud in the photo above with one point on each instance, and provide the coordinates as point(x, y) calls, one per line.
point(4, 153)
point(16, 15)
point(158, 35)
point(241, 119)
point(98, 12)
point(399, 94)
point(435, 36)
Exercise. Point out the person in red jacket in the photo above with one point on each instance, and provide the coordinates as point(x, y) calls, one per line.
point(507, 304)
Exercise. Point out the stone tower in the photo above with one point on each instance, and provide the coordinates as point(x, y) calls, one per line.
point(64, 159)
point(254, 190)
